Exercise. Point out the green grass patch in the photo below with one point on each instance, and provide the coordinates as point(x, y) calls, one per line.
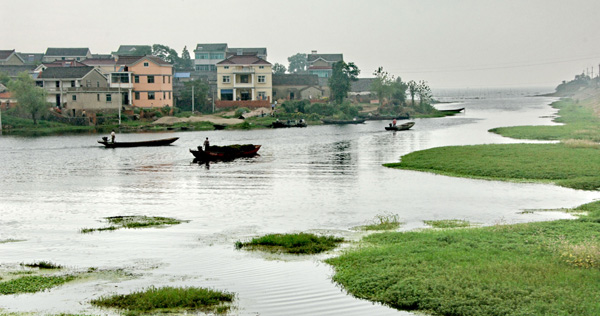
point(448, 223)
point(301, 243)
point(118, 222)
point(577, 168)
point(545, 268)
point(32, 283)
point(5, 241)
point(384, 221)
point(169, 299)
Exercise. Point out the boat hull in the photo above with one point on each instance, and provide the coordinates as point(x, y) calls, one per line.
point(208, 155)
point(401, 127)
point(147, 143)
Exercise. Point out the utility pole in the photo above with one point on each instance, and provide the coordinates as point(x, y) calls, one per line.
point(192, 97)
point(0, 119)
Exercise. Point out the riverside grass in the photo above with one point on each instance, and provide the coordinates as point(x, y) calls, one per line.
point(169, 299)
point(32, 283)
point(544, 268)
point(300, 243)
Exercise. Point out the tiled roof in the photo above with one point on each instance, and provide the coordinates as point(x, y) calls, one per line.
point(64, 63)
point(361, 85)
point(295, 80)
point(65, 72)
point(14, 70)
point(31, 58)
point(4, 54)
point(99, 61)
point(56, 51)
point(244, 60)
point(131, 60)
point(132, 49)
point(211, 47)
point(255, 50)
point(327, 57)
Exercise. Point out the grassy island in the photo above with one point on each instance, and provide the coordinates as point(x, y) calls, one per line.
point(545, 268)
point(301, 243)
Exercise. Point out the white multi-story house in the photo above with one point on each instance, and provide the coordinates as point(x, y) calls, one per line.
point(244, 80)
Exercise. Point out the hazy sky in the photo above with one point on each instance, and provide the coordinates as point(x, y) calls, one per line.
point(449, 43)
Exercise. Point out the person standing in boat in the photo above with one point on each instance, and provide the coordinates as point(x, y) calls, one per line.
point(394, 122)
point(206, 144)
point(112, 136)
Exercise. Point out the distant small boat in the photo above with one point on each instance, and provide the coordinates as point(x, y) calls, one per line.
point(387, 117)
point(219, 126)
point(280, 124)
point(401, 127)
point(354, 121)
point(145, 143)
point(452, 110)
point(225, 152)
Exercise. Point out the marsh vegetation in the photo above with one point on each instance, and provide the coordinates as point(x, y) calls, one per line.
point(300, 243)
point(117, 222)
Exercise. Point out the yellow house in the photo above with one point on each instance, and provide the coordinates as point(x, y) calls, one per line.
point(244, 80)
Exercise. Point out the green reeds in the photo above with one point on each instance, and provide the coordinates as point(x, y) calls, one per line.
point(301, 243)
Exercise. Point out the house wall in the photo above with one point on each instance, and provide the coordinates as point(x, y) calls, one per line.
point(234, 73)
point(12, 60)
point(282, 92)
point(92, 100)
point(162, 86)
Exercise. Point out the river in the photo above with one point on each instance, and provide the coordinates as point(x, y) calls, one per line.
point(323, 179)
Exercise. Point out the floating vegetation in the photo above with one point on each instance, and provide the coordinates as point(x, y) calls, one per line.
point(384, 221)
point(448, 223)
point(10, 240)
point(33, 283)
point(134, 222)
point(301, 243)
point(167, 299)
point(42, 265)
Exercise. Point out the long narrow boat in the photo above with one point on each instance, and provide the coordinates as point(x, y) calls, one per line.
point(401, 127)
point(279, 124)
point(225, 152)
point(452, 110)
point(144, 143)
point(341, 122)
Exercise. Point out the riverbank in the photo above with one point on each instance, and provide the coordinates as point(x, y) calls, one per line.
point(545, 268)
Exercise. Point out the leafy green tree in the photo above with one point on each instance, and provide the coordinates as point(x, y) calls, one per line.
point(167, 54)
point(186, 60)
point(279, 69)
point(425, 95)
point(200, 89)
point(341, 79)
point(412, 89)
point(4, 78)
point(399, 91)
point(382, 84)
point(298, 63)
point(30, 98)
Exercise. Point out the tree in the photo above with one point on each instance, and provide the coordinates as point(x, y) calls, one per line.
point(30, 98)
point(167, 54)
point(382, 84)
point(425, 95)
point(399, 91)
point(200, 88)
point(278, 69)
point(298, 63)
point(341, 80)
point(4, 78)
point(186, 60)
point(412, 89)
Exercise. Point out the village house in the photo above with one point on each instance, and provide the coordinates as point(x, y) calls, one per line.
point(322, 64)
point(9, 57)
point(147, 79)
point(244, 80)
point(133, 50)
point(298, 87)
point(75, 89)
point(54, 53)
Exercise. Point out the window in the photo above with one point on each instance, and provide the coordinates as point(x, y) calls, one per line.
point(217, 56)
point(88, 83)
point(261, 67)
point(97, 84)
point(72, 83)
point(150, 79)
point(119, 78)
point(244, 78)
point(202, 56)
point(98, 97)
point(213, 67)
point(108, 98)
point(169, 79)
point(58, 84)
point(151, 96)
point(39, 83)
point(226, 67)
point(137, 95)
point(169, 95)
point(261, 79)
point(227, 94)
point(163, 79)
point(74, 98)
point(146, 64)
point(226, 79)
point(136, 79)
point(262, 95)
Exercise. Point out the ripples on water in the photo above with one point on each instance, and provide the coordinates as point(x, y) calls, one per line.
point(321, 178)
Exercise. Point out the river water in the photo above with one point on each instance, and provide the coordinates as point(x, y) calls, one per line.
point(324, 179)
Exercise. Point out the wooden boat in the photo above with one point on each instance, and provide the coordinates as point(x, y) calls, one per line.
point(401, 127)
point(354, 121)
point(452, 111)
point(387, 117)
point(219, 126)
point(225, 152)
point(145, 143)
point(280, 124)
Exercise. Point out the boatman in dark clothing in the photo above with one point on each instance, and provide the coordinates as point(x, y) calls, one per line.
point(206, 144)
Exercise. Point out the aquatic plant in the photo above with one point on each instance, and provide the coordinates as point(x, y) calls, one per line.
point(300, 243)
point(134, 222)
point(42, 265)
point(32, 283)
point(385, 221)
point(448, 223)
point(169, 298)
